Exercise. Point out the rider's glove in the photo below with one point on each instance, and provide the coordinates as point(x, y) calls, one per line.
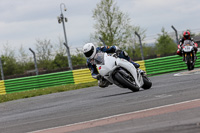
point(114, 55)
point(125, 53)
point(116, 48)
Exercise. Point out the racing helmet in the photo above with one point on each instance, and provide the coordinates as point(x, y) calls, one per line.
point(186, 35)
point(89, 50)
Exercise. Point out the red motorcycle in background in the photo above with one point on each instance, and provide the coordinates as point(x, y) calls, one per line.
point(188, 51)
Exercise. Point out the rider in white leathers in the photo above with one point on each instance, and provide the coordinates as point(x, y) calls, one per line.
point(90, 51)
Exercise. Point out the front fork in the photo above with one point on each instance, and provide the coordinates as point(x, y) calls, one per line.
point(191, 55)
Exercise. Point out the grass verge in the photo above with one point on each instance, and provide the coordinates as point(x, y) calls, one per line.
point(44, 91)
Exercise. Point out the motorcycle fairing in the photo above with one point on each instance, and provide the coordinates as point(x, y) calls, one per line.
point(129, 66)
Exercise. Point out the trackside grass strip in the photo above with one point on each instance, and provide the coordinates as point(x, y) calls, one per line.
point(44, 91)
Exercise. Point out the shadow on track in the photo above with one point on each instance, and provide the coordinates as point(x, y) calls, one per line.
point(116, 94)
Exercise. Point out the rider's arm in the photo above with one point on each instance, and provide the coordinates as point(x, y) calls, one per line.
point(181, 42)
point(108, 49)
point(92, 69)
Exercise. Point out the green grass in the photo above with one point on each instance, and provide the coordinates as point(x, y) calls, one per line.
point(44, 91)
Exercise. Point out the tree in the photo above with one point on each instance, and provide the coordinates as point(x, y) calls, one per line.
point(78, 59)
point(10, 65)
point(112, 24)
point(24, 61)
point(60, 61)
point(44, 53)
point(23, 56)
point(133, 50)
point(59, 47)
point(165, 45)
point(7, 50)
point(148, 51)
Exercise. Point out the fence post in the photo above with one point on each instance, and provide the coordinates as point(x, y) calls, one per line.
point(176, 34)
point(141, 49)
point(36, 69)
point(1, 66)
point(104, 44)
point(62, 20)
point(68, 56)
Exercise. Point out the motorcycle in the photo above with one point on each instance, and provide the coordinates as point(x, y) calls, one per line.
point(120, 72)
point(189, 54)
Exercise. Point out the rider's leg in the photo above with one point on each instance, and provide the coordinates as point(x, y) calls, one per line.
point(103, 83)
point(179, 52)
point(135, 64)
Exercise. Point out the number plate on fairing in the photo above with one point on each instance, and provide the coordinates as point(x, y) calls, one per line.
point(187, 48)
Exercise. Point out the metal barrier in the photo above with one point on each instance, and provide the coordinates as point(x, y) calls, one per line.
point(142, 64)
point(40, 81)
point(167, 64)
point(2, 88)
point(82, 76)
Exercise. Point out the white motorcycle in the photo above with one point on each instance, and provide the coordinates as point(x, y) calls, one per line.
point(120, 72)
point(189, 54)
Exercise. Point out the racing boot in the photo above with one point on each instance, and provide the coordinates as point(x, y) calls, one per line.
point(103, 83)
point(136, 65)
point(141, 71)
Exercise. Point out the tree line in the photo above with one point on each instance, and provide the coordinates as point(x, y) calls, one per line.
point(49, 56)
point(53, 56)
point(115, 28)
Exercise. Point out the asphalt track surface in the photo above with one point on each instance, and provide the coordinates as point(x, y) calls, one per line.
point(172, 105)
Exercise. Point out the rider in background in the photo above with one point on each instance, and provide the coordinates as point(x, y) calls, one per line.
point(186, 36)
point(90, 51)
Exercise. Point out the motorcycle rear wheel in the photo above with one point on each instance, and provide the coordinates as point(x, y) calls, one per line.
point(124, 82)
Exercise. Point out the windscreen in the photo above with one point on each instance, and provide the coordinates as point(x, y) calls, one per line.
point(99, 58)
point(187, 43)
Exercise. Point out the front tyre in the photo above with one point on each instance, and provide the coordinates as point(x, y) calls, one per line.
point(147, 83)
point(189, 64)
point(126, 83)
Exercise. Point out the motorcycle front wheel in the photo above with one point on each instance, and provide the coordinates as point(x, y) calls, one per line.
point(125, 82)
point(147, 83)
point(190, 65)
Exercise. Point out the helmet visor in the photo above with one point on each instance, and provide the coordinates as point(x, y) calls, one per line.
point(187, 36)
point(89, 53)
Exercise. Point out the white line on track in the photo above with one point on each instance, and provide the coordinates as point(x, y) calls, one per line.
point(119, 115)
point(192, 72)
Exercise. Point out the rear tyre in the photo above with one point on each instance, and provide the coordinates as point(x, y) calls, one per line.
point(126, 83)
point(147, 83)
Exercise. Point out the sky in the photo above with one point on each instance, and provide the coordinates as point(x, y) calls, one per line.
point(24, 21)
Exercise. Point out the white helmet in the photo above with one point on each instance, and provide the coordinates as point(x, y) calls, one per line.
point(89, 50)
